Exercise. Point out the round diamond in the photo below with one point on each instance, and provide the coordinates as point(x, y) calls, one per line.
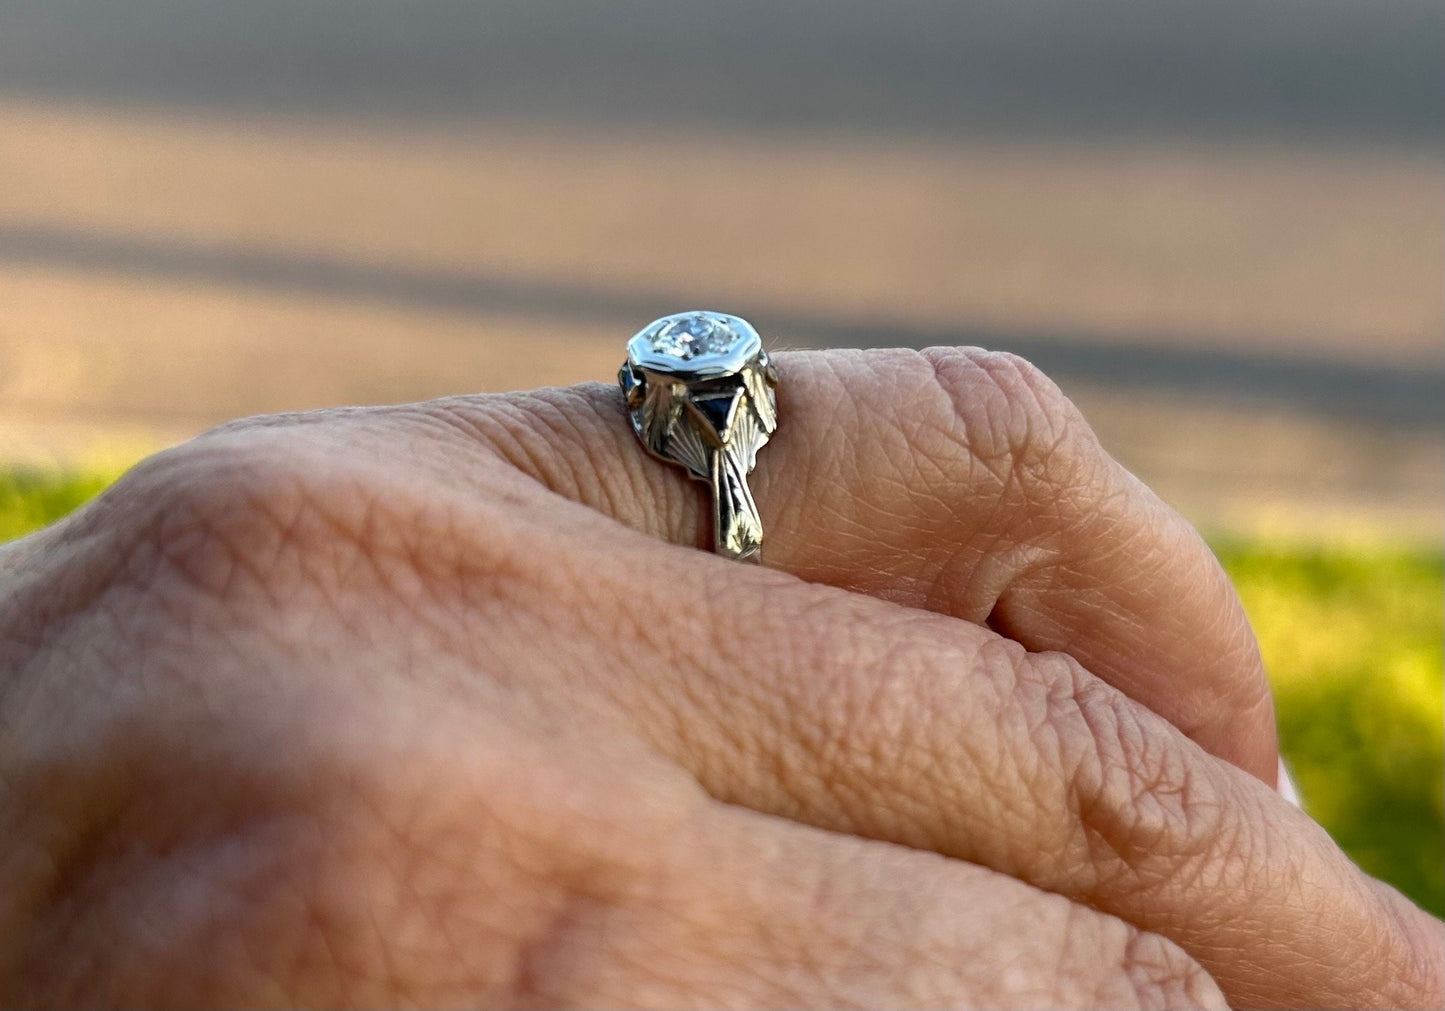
point(697, 333)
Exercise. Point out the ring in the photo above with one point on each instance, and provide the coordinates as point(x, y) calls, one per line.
point(699, 391)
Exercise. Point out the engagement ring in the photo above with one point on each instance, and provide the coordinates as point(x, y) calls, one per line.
point(699, 390)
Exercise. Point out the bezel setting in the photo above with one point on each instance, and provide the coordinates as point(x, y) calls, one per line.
point(744, 347)
point(699, 392)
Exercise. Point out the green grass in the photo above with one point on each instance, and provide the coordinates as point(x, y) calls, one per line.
point(1353, 640)
point(30, 498)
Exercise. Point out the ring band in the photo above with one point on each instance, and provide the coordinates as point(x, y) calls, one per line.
point(700, 392)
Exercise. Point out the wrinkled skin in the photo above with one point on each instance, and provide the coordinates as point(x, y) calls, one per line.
point(437, 704)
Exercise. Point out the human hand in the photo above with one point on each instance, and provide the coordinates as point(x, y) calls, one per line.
point(364, 707)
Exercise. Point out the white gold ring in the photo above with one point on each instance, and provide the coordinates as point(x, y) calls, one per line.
point(700, 393)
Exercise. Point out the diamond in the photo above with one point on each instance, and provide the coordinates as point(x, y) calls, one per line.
point(693, 334)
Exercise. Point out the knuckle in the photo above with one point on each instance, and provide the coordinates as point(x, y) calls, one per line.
point(1015, 419)
point(134, 582)
point(1163, 975)
point(1096, 960)
point(228, 512)
point(275, 513)
point(1140, 806)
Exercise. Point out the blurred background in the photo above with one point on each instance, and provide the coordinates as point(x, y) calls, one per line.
point(1217, 223)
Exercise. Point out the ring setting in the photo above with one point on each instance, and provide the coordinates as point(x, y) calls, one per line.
point(700, 394)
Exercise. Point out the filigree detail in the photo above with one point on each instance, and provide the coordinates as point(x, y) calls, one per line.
point(707, 413)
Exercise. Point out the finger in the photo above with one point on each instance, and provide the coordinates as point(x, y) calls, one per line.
point(860, 716)
point(301, 832)
point(956, 480)
point(744, 910)
point(837, 709)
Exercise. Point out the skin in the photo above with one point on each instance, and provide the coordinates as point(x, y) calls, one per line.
point(437, 704)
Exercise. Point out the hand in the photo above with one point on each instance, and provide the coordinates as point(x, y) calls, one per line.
point(383, 706)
